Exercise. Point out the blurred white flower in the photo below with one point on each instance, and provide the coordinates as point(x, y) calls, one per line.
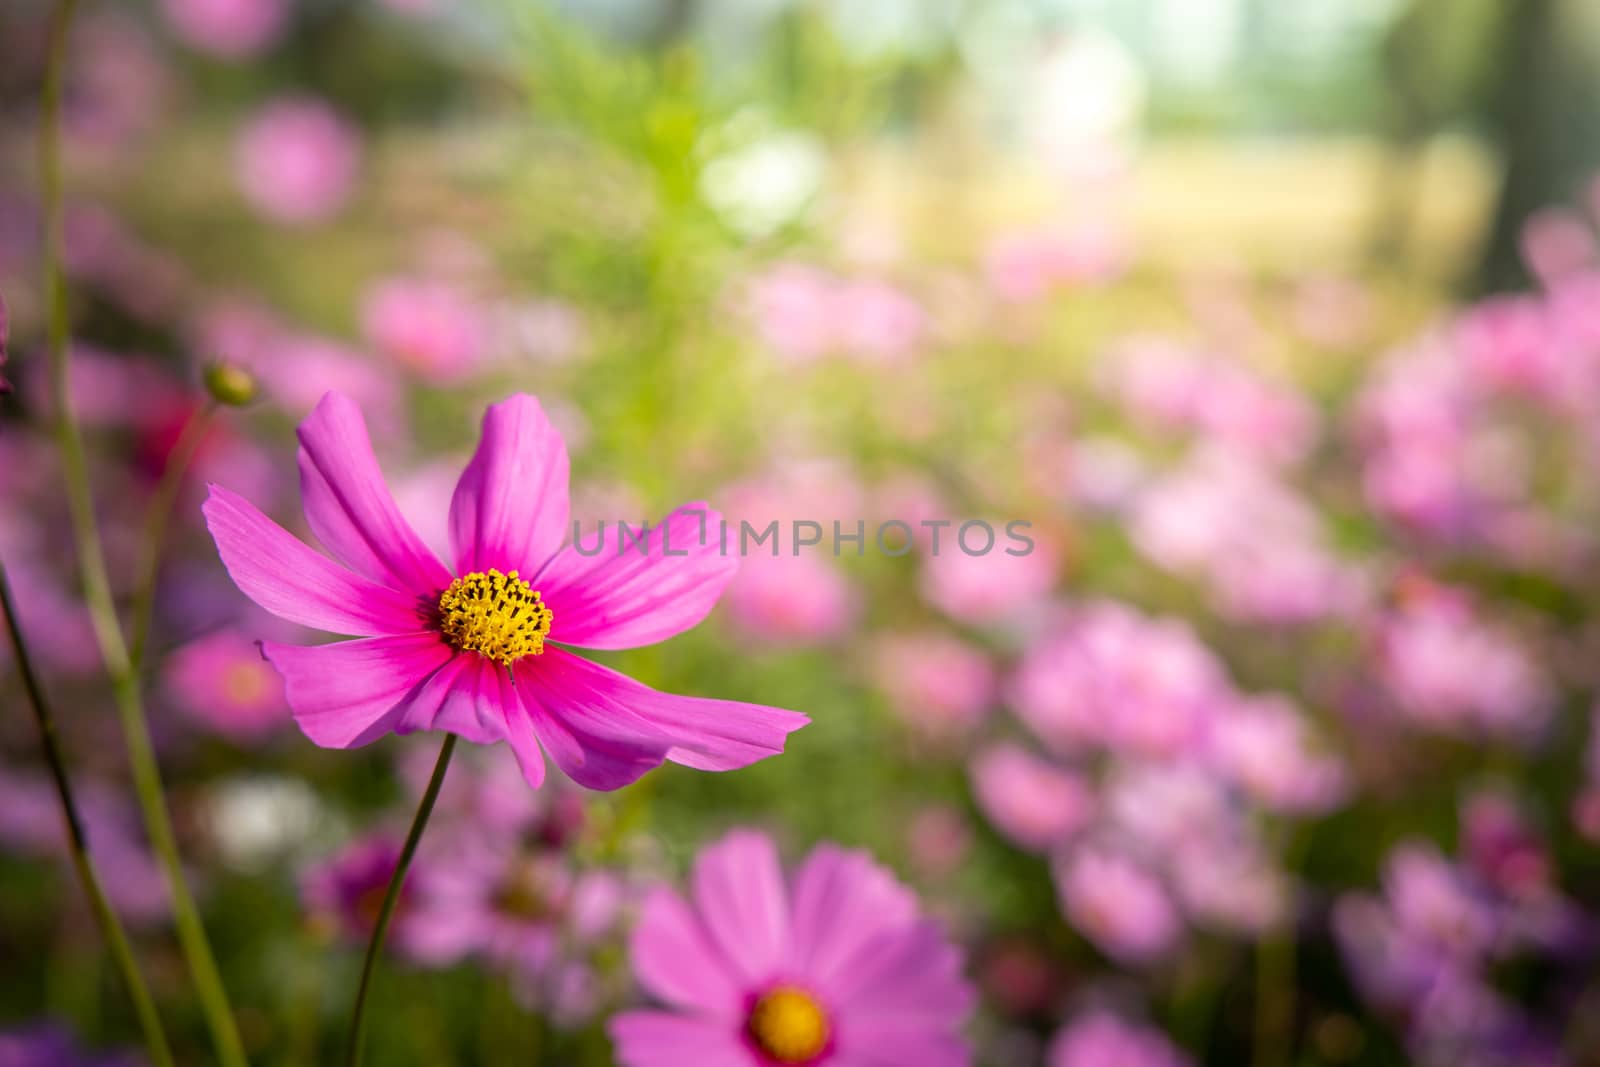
point(759, 188)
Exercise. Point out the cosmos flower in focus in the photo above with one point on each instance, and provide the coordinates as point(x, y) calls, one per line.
point(836, 968)
point(297, 160)
point(472, 649)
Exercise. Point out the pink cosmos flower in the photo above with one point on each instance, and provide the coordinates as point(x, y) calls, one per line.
point(221, 680)
point(1101, 1039)
point(791, 600)
point(1117, 904)
point(465, 650)
point(429, 326)
point(232, 29)
point(297, 160)
point(939, 685)
point(1032, 801)
point(993, 587)
point(837, 968)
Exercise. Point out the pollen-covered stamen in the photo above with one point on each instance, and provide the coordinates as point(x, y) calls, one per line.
point(789, 1025)
point(495, 615)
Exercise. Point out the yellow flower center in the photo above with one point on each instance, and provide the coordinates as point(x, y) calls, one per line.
point(789, 1025)
point(495, 615)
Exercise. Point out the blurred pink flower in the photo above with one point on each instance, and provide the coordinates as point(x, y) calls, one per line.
point(939, 685)
point(835, 967)
point(877, 321)
point(1109, 677)
point(939, 838)
point(803, 313)
point(1229, 886)
point(230, 29)
point(791, 306)
point(1100, 1039)
point(49, 1044)
point(1557, 242)
point(1028, 799)
point(993, 588)
point(467, 655)
point(5, 335)
point(1501, 846)
point(1421, 645)
point(222, 681)
point(429, 326)
point(1333, 312)
point(791, 600)
point(1026, 265)
point(119, 82)
point(1506, 345)
point(296, 160)
point(1117, 904)
point(1264, 745)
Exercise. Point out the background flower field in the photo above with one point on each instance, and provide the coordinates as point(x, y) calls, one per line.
point(1275, 323)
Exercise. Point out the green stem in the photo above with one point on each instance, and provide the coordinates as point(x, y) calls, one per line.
point(144, 1006)
point(157, 519)
point(91, 561)
point(391, 897)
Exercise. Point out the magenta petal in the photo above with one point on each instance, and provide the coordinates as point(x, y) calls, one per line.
point(510, 506)
point(842, 901)
point(463, 697)
point(594, 738)
point(739, 893)
point(674, 960)
point(661, 1039)
point(282, 574)
point(709, 735)
point(349, 507)
point(638, 592)
point(350, 693)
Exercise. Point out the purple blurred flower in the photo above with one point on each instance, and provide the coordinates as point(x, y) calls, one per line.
point(229, 29)
point(49, 1044)
point(296, 160)
point(836, 967)
point(5, 335)
point(1100, 1039)
point(344, 893)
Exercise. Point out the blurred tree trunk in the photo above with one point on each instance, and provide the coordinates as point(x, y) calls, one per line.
point(1546, 115)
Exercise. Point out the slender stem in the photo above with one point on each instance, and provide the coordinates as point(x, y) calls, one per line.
point(91, 561)
point(77, 842)
point(391, 897)
point(157, 519)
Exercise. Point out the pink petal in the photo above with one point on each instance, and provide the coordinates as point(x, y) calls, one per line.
point(596, 740)
point(709, 735)
point(462, 697)
point(913, 971)
point(739, 893)
point(278, 571)
point(350, 693)
point(510, 506)
point(349, 507)
point(661, 1039)
point(843, 900)
point(898, 1043)
point(639, 590)
point(675, 962)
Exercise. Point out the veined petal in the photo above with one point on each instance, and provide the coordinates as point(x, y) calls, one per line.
point(350, 693)
point(662, 1039)
point(740, 895)
point(638, 589)
point(706, 734)
point(596, 740)
point(842, 900)
point(286, 577)
point(675, 960)
point(510, 506)
point(459, 698)
point(350, 508)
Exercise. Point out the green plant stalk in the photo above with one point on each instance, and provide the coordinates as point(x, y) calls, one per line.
point(91, 562)
point(157, 519)
point(391, 897)
point(155, 1037)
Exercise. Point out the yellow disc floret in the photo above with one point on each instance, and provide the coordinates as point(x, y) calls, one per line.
point(789, 1025)
point(495, 615)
